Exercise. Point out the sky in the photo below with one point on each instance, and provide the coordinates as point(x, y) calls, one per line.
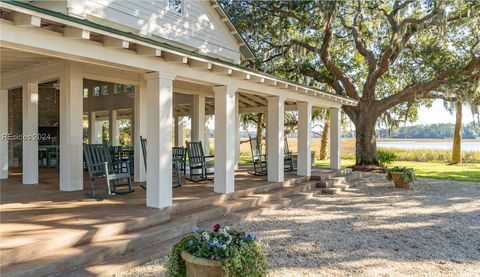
point(438, 114)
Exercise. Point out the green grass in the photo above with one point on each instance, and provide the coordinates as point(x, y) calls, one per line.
point(465, 172)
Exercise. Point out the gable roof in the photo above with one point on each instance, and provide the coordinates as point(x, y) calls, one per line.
point(245, 49)
point(231, 68)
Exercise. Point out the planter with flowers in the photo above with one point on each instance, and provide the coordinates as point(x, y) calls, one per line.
point(221, 252)
point(401, 176)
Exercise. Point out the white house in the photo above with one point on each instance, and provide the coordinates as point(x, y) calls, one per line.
point(181, 58)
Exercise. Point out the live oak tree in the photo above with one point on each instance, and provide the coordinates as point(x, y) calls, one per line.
point(385, 54)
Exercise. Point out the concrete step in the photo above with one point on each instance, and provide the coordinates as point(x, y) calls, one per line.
point(121, 244)
point(130, 259)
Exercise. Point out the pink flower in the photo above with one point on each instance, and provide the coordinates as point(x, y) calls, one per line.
point(216, 227)
point(213, 258)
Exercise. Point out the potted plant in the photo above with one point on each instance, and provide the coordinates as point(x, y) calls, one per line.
point(401, 176)
point(223, 251)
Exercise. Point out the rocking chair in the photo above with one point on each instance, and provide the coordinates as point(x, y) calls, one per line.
point(100, 166)
point(200, 166)
point(259, 160)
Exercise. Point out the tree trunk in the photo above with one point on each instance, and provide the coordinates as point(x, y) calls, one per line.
point(260, 128)
point(457, 134)
point(324, 141)
point(365, 142)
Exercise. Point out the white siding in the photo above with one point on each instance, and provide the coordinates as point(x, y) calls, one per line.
point(200, 27)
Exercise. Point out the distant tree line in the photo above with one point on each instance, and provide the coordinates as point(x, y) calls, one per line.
point(433, 131)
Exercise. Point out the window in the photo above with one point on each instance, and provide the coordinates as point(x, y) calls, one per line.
point(85, 93)
point(117, 89)
point(96, 91)
point(175, 6)
point(129, 89)
point(104, 89)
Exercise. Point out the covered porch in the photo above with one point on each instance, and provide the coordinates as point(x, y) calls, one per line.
point(38, 219)
point(167, 84)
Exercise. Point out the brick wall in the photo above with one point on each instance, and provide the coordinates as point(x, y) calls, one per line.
point(48, 116)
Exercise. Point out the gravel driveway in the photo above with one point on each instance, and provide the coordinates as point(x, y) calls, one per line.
point(372, 230)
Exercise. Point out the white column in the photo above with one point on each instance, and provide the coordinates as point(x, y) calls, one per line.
point(304, 165)
point(159, 135)
point(335, 140)
point(98, 132)
point(206, 140)
point(30, 129)
point(3, 134)
point(180, 138)
point(237, 132)
point(140, 129)
point(224, 136)
point(198, 117)
point(92, 127)
point(178, 128)
point(114, 130)
point(275, 136)
point(71, 128)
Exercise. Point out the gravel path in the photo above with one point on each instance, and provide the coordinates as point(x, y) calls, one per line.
point(371, 230)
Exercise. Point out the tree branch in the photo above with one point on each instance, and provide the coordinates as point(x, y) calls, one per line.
point(425, 90)
point(327, 61)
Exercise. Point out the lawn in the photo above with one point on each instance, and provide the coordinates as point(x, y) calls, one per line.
point(466, 172)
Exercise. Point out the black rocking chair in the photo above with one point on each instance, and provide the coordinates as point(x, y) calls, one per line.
point(259, 160)
point(290, 162)
point(200, 166)
point(100, 166)
point(178, 162)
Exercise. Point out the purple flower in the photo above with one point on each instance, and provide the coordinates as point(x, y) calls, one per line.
point(195, 229)
point(209, 244)
point(190, 243)
point(216, 227)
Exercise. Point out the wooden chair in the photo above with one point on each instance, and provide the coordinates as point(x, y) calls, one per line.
point(178, 160)
point(143, 142)
point(289, 158)
point(259, 160)
point(200, 166)
point(100, 166)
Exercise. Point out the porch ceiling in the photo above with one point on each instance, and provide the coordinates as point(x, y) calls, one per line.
point(13, 60)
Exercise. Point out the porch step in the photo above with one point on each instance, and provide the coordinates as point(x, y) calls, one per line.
point(101, 232)
point(337, 184)
point(118, 245)
point(93, 233)
point(131, 259)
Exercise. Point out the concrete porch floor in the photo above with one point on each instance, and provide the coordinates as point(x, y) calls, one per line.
point(31, 214)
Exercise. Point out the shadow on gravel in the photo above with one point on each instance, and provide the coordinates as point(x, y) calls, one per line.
point(436, 221)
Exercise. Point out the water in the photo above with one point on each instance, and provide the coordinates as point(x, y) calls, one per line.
point(468, 146)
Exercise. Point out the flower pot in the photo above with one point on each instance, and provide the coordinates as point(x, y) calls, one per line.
point(398, 180)
point(200, 267)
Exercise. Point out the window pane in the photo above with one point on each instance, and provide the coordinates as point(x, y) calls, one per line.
point(118, 89)
point(129, 89)
point(175, 6)
point(104, 89)
point(85, 93)
point(96, 91)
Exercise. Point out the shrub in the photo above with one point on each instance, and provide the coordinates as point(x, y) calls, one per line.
point(407, 173)
point(430, 155)
point(238, 252)
point(386, 158)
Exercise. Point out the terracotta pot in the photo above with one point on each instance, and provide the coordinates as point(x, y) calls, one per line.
point(398, 180)
point(200, 267)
